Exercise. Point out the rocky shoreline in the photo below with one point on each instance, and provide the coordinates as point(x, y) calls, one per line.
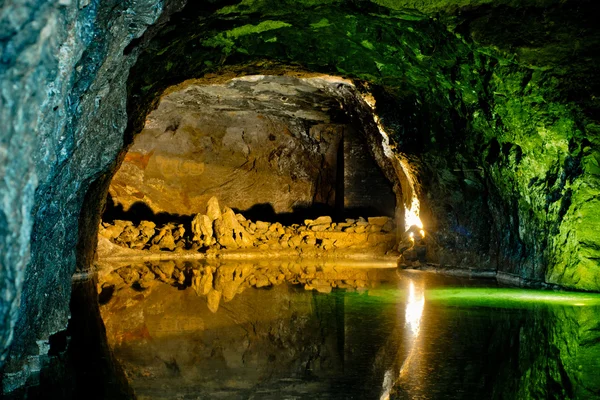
point(221, 230)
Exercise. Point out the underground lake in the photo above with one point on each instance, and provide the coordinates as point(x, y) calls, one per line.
point(299, 199)
point(343, 331)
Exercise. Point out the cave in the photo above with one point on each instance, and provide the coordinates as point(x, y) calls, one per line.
point(275, 148)
point(387, 199)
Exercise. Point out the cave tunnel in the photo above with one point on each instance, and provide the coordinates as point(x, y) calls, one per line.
point(387, 199)
point(275, 148)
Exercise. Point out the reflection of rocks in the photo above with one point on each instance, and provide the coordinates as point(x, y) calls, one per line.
point(171, 346)
point(222, 228)
point(221, 282)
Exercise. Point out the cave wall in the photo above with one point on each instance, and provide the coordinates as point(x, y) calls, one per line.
point(521, 109)
point(367, 191)
point(260, 141)
point(453, 107)
point(62, 77)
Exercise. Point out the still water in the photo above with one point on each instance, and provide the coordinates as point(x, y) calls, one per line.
point(300, 331)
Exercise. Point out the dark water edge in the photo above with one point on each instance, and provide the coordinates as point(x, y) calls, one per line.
point(400, 336)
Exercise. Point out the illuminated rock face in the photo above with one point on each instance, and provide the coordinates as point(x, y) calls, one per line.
point(247, 142)
point(502, 126)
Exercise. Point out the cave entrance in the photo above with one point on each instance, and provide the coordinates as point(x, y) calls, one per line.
point(274, 149)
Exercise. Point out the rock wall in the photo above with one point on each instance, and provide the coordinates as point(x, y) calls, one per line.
point(63, 74)
point(249, 142)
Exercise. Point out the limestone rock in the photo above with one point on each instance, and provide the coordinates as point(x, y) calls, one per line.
point(230, 233)
point(202, 229)
point(213, 211)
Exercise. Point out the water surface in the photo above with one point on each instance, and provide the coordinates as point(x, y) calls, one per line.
point(337, 332)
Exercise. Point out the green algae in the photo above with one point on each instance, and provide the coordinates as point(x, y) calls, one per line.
point(321, 24)
point(227, 40)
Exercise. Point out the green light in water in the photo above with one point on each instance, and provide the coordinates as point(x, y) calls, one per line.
point(510, 298)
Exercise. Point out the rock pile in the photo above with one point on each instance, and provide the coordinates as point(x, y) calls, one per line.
point(222, 228)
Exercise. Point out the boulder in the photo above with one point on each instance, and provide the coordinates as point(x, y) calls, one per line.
point(324, 220)
point(202, 229)
point(230, 233)
point(213, 211)
point(319, 228)
point(147, 229)
point(164, 239)
point(262, 226)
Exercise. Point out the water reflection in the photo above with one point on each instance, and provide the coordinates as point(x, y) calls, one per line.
point(415, 303)
point(336, 332)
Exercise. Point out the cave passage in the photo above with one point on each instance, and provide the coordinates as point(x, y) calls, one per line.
point(274, 148)
point(266, 162)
